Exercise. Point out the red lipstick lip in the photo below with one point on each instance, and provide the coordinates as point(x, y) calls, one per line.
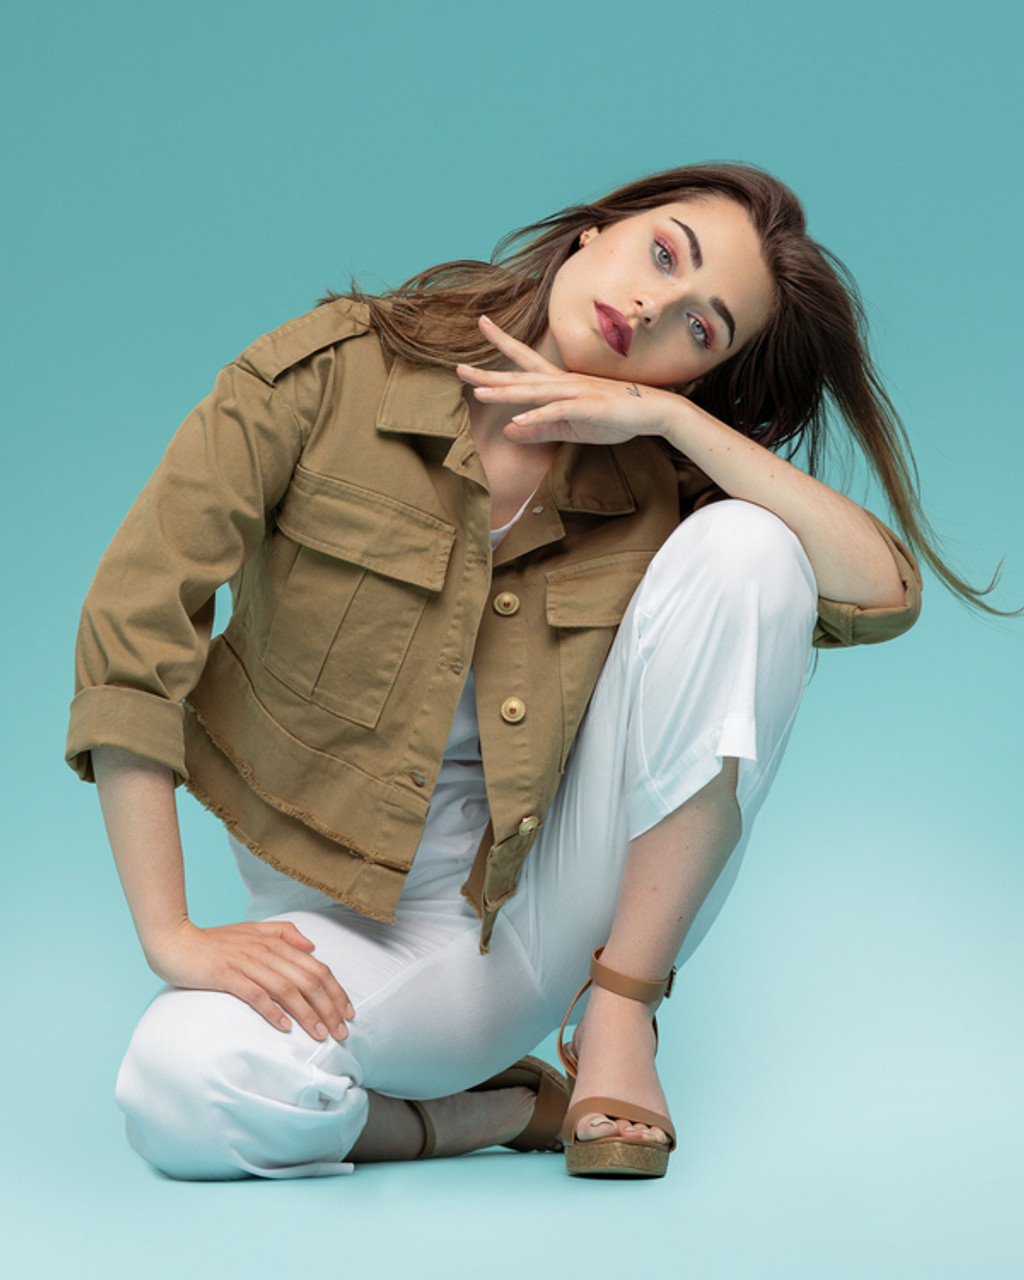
point(616, 328)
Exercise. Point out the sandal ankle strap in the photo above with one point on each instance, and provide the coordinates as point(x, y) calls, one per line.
point(429, 1132)
point(619, 984)
point(642, 989)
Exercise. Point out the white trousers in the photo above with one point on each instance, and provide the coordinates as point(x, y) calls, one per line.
point(709, 662)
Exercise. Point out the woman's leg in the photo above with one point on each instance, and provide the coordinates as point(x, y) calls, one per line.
point(681, 741)
point(669, 872)
point(212, 1091)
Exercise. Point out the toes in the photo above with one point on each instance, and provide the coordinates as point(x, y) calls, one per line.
point(644, 1132)
point(596, 1126)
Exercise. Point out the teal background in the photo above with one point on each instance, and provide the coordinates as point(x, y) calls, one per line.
point(845, 1053)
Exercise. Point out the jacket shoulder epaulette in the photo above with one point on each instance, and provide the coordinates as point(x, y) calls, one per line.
point(333, 322)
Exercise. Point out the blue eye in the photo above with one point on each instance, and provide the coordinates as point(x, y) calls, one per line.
point(663, 256)
point(699, 331)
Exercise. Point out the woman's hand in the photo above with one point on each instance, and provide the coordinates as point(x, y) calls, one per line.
point(570, 406)
point(267, 964)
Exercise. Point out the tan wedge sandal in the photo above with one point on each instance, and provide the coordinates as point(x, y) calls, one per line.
point(542, 1130)
point(614, 1157)
point(553, 1093)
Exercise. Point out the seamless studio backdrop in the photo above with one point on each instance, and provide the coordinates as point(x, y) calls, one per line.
point(844, 1053)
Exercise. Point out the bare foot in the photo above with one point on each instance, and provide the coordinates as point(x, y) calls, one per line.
point(615, 1044)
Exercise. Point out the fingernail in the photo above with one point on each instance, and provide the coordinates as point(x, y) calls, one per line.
point(321, 1031)
point(520, 417)
point(487, 319)
point(351, 1013)
point(341, 1032)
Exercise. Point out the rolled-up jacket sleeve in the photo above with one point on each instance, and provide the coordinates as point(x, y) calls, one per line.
point(147, 620)
point(841, 624)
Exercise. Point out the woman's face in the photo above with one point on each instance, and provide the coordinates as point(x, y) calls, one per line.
point(662, 297)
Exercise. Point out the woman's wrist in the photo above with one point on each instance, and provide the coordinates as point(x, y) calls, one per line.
point(848, 555)
point(691, 430)
point(162, 941)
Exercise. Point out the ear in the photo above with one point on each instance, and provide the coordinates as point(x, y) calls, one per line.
point(587, 236)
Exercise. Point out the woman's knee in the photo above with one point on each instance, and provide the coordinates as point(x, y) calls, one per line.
point(171, 1084)
point(736, 553)
point(211, 1091)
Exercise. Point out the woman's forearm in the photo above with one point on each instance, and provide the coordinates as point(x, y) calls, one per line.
point(850, 560)
point(139, 808)
point(268, 964)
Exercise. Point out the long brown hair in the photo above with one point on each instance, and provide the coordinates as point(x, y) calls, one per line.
point(780, 389)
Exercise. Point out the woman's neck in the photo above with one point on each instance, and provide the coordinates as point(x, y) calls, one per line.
point(513, 470)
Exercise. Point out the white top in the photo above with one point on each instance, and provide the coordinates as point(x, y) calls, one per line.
point(459, 812)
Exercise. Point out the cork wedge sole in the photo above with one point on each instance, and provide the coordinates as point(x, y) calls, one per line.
point(616, 1158)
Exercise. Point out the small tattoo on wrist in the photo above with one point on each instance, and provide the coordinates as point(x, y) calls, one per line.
point(634, 390)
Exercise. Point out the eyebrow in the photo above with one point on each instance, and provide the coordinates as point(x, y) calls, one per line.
point(726, 315)
point(697, 258)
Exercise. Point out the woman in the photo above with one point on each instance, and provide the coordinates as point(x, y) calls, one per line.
point(436, 524)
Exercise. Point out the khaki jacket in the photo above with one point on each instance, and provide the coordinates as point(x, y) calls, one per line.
point(340, 493)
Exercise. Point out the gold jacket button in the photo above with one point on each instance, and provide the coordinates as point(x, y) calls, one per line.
point(529, 825)
point(506, 602)
point(513, 710)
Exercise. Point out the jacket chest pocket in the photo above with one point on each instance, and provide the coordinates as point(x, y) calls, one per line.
point(346, 613)
point(585, 603)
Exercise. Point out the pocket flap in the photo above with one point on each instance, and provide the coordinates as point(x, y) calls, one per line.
point(596, 592)
point(366, 528)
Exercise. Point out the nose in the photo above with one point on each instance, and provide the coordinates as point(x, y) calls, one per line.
point(646, 310)
point(649, 308)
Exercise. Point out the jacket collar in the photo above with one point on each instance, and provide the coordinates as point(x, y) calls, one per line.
point(587, 478)
point(422, 400)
